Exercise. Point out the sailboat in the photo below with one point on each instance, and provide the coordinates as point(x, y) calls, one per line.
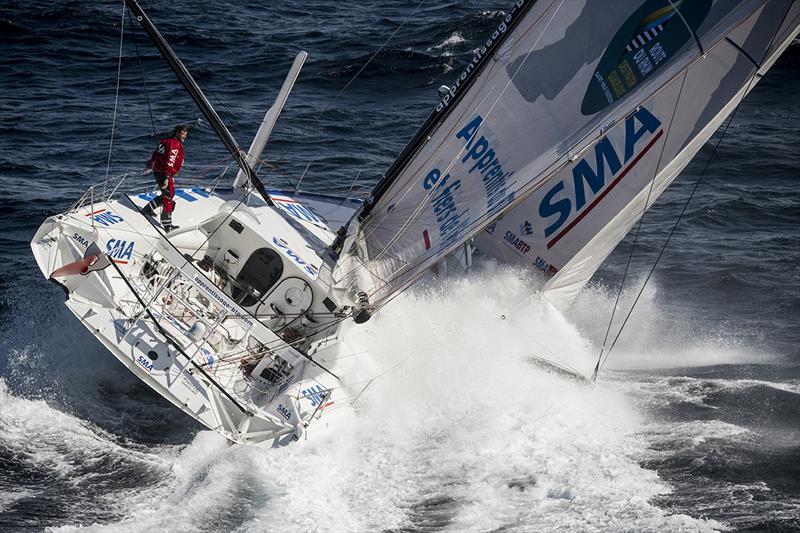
point(568, 123)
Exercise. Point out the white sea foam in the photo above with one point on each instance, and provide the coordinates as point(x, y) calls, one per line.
point(654, 338)
point(454, 39)
point(461, 432)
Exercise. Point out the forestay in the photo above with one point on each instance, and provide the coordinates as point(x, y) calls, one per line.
point(575, 103)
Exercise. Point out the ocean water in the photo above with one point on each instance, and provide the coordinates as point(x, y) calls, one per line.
point(693, 425)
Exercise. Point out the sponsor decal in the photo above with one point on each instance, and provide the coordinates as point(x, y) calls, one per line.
point(481, 52)
point(543, 266)
point(119, 251)
point(491, 228)
point(298, 210)
point(145, 363)
point(80, 239)
point(646, 42)
point(179, 193)
point(46, 242)
point(223, 301)
point(316, 395)
point(516, 243)
point(302, 263)
point(444, 205)
point(284, 412)
point(594, 177)
point(105, 217)
point(482, 157)
point(526, 228)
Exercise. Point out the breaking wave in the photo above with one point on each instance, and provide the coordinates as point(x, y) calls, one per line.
point(458, 432)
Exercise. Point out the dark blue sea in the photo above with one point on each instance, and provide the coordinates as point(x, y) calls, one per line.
point(693, 424)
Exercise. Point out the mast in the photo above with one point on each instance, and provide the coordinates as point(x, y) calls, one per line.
point(442, 110)
point(199, 98)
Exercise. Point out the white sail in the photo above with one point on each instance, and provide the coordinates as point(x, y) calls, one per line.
point(567, 227)
point(561, 89)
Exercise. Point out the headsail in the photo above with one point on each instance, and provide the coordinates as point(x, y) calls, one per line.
point(567, 227)
point(560, 79)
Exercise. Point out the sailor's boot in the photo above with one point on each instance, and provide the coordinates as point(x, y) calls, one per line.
point(149, 209)
point(166, 222)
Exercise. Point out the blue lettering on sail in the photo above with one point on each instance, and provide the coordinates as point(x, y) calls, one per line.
point(590, 181)
point(482, 156)
point(444, 205)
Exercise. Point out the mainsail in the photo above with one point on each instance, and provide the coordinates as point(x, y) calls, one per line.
point(553, 134)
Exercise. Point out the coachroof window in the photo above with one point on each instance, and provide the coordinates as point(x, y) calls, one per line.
point(262, 270)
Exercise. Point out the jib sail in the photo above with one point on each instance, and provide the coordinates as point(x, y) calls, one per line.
point(566, 228)
point(555, 131)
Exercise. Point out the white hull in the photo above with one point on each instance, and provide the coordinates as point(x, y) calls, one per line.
point(177, 327)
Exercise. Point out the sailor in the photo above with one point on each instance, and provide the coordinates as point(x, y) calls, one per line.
point(165, 163)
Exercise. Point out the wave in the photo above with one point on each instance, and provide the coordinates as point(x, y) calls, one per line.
point(459, 432)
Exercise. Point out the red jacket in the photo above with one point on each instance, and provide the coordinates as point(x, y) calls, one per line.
point(168, 157)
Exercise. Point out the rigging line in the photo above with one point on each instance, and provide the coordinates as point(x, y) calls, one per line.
point(141, 70)
point(742, 51)
point(548, 350)
point(426, 198)
point(371, 58)
point(669, 236)
point(748, 87)
point(638, 231)
point(116, 97)
point(176, 345)
point(480, 62)
point(378, 51)
point(488, 215)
